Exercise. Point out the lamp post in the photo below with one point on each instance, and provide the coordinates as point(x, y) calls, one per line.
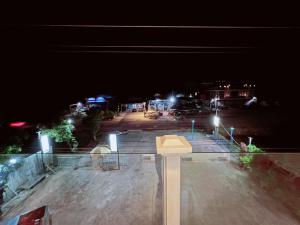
point(231, 134)
point(45, 146)
point(193, 127)
point(250, 140)
point(216, 124)
point(114, 146)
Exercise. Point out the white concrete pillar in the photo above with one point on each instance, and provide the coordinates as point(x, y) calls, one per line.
point(171, 191)
point(172, 147)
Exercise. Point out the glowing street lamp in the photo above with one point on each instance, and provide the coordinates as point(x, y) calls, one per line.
point(45, 143)
point(193, 127)
point(13, 161)
point(70, 121)
point(250, 140)
point(172, 99)
point(216, 124)
point(231, 134)
point(216, 121)
point(113, 142)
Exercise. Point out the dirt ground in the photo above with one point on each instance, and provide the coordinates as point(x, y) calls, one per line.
point(213, 192)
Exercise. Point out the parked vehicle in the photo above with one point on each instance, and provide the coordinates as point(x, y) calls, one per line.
point(179, 115)
point(151, 114)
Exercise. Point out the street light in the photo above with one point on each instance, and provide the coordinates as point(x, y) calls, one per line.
point(113, 142)
point(193, 126)
point(216, 121)
point(114, 146)
point(45, 143)
point(231, 134)
point(13, 161)
point(216, 124)
point(70, 121)
point(172, 99)
point(250, 140)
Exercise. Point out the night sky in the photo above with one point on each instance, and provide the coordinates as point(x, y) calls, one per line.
point(45, 68)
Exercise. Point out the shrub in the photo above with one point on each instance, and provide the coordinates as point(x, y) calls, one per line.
point(247, 158)
point(12, 149)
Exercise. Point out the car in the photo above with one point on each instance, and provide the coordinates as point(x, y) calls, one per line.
point(133, 110)
point(151, 114)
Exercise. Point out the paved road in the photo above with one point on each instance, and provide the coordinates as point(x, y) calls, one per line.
point(136, 121)
point(142, 132)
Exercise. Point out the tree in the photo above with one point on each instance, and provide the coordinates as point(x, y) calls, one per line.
point(96, 123)
point(62, 132)
point(12, 149)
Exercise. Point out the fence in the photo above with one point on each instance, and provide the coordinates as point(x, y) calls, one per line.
point(31, 169)
point(28, 171)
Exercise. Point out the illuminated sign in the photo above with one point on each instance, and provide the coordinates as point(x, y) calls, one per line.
point(96, 100)
point(100, 99)
point(91, 100)
point(17, 124)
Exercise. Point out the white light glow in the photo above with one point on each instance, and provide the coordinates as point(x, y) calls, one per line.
point(113, 142)
point(70, 121)
point(216, 121)
point(172, 99)
point(12, 161)
point(45, 143)
point(251, 101)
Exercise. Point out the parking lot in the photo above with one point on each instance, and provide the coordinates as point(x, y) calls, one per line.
point(141, 132)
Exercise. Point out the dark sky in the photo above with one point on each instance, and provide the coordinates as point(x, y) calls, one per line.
point(45, 66)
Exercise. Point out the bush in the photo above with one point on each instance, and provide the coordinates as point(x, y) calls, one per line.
point(247, 158)
point(12, 149)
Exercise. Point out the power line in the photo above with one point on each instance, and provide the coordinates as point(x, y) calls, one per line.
point(149, 46)
point(141, 52)
point(156, 46)
point(166, 26)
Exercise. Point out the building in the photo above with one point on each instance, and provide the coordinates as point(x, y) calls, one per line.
point(225, 93)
